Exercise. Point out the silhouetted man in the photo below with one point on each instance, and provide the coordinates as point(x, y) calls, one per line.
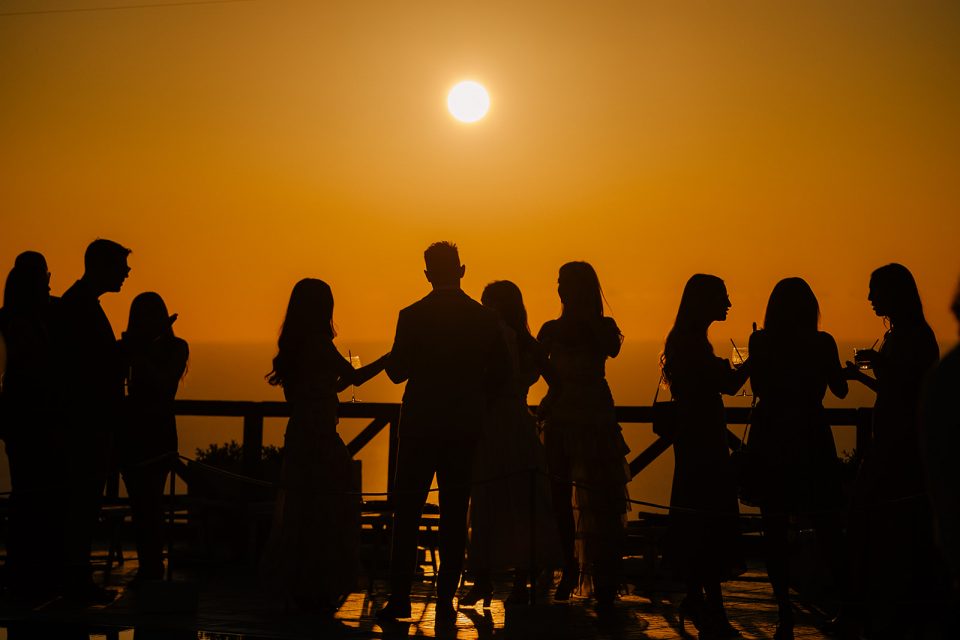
point(92, 386)
point(450, 351)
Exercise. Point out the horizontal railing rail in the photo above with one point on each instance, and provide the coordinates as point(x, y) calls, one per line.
point(386, 416)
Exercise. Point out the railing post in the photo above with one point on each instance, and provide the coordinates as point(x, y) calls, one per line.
point(252, 443)
point(864, 430)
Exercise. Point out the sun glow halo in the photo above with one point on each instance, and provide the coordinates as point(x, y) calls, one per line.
point(468, 101)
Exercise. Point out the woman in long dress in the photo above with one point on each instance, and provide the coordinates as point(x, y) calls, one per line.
point(891, 533)
point(793, 365)
point(312, 552)
point(508, 452)
point(585, 446)
point(703, 529)
point(157, 360)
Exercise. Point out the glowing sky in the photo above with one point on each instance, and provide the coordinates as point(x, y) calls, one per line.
point(239, 147)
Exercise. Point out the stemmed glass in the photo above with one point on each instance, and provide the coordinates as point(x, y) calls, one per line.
point(738, 356)
point(355, 363)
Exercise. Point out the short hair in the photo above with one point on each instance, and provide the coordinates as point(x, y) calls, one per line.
point(442, 258)
point(103, 253)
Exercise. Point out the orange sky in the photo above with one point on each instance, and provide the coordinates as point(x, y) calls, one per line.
point(239, 147)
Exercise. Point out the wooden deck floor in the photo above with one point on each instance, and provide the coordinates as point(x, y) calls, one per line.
point(233, 605)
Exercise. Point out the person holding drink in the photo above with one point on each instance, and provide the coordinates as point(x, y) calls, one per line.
point(890, 527)
point(704, 533)
point(312, 553)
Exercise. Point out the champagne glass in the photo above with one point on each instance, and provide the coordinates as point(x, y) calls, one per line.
point(738, 356)
point(355, 363)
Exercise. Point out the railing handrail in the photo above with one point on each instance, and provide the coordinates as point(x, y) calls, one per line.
point(386, 415)
point(836, 416)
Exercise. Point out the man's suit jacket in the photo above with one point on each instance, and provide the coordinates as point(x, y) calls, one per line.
point(91, 362)
point(451, 352)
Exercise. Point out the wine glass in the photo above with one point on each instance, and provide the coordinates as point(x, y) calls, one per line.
point(738, 356)
point(355, 363)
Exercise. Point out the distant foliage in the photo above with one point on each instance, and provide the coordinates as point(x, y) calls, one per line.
point(229, 457)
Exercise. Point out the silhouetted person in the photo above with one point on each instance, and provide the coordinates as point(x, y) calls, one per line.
point(30, 430)
point(940, 444)
point(147, 441)
point(510, 450)
point(703, 544)
point(312, 554)
point(450, 351)
point(583, 439)
point(890, 527)
point(793, 365)
point(91, 374)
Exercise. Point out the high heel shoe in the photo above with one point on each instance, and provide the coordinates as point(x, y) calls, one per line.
point(479, 591)
point(691, 609)
point(568, 582)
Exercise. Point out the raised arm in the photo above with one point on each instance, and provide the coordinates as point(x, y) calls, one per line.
point(355, 377)
point(158, 373)
point(731, 380)
point(398, 364)
point(608, 337)
point(836, 378)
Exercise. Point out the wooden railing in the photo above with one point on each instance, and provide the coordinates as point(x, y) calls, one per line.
point(386, 416)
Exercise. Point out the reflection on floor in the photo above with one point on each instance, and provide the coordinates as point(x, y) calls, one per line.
point(234, 605)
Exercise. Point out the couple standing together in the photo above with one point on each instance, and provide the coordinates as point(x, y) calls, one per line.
point(466, 366)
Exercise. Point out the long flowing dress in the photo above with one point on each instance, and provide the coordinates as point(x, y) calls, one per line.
point(704, 536)
point(796, 459)
point(585, 446)
point(891, 533)
point(508, 452)
point(312, 553)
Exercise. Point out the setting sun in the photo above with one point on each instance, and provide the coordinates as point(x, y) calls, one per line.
point(468, 101)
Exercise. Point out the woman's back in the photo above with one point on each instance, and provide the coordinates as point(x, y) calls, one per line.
point(578, 349)
point(793, 370)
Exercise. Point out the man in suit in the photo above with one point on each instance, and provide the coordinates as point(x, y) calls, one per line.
point(450, 351)
point(91, 383)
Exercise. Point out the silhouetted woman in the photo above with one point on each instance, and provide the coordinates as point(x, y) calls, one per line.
point(793, 364)
point(583, 439)
point(704, 533)
point(510, 450)
point(312, 552)
point(147, 441)
point(890, 526)
point(31, 430)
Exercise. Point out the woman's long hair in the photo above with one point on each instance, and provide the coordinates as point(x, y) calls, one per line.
point(309, 316)
point(580, 291)
point(27, 288)
point(792, 309)
point(688, 337)
point(149, 318)
point(901, 294)
point(505, 298)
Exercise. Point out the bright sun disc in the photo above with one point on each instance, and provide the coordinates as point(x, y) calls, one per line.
point(468, 101)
